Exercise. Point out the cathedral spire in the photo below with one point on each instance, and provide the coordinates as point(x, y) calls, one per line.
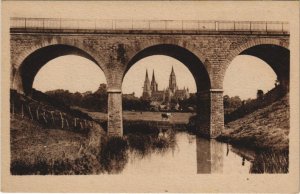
point(146, 88)
point(172, 72)
point(172, 81)
point(154, 85)
point(146, 78)
point(153, 76)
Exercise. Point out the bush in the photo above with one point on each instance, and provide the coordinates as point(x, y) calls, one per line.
point(113, 154)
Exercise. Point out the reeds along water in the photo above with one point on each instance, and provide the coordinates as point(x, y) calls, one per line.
point(112, 156)
point(270, 162)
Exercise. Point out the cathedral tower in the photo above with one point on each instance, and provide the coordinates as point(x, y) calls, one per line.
point(172, 81)
point(146, 88)
point(154, 84)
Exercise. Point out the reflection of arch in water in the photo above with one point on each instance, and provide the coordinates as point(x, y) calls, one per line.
point(209, 156)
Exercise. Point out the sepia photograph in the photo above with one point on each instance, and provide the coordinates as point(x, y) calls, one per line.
point(115, 90)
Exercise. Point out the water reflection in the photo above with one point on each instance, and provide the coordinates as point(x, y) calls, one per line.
point(160, 153)
point(113, 155)
point(209, 156)
point(173, 152)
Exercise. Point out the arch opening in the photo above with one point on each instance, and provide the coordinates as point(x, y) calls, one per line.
point(245, 75)
point(266, 69)
point(197, 70)
point(71, 73)
point(167, 81)
point(277, 57)
point(186, 57)
point(24, 77)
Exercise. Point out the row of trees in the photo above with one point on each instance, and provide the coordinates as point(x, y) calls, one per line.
point(97, 101)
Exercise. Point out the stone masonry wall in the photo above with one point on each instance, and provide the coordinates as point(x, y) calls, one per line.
point(113, 52)
point(217, 113)
point(115, 126)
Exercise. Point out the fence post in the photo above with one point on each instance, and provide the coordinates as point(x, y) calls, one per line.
point(131, 24)
point(67, 123)
point(60, 23)
point(62, 121)
point(52, 117)
point(37, 113)
point(44, 116)
point(13, 109)
point(75, 121)
point(216, 26)
point(29, 109)
point(165, 24)
point(22, 111)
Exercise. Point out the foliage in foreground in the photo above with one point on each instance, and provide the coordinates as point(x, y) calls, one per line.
point(271, 162)
point(111, 158)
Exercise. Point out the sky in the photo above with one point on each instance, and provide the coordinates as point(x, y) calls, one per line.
point(244, 76)
point(162, 66)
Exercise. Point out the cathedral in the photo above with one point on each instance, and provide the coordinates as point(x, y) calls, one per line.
point(151, 92)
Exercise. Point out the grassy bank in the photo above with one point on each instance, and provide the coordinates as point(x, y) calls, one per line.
point(265, 129)
point(39, 150)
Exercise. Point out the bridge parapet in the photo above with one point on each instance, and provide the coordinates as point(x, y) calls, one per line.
point(167, 26)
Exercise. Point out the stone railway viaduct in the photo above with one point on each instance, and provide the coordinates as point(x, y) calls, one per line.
point(206, 49)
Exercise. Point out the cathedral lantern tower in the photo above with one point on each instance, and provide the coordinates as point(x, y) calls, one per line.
point(172, 81)
point(154, 84)
point(147, 87)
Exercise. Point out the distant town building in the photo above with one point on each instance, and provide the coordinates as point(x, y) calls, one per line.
point(86, 93)
point(102, 89)
point(130, 96)
point(151, 92)
point(260, 94)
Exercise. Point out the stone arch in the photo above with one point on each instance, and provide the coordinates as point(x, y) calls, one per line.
point(30, 62)
point(196, 66)
point(274, 52)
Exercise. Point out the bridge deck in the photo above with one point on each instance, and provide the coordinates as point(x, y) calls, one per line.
point(52, 25)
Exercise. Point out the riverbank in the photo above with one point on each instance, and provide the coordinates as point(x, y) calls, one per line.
point(43, 151)
point(177, 117)
point(264, 129)
point(39, 150)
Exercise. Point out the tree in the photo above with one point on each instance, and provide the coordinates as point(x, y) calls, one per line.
point(260, 94)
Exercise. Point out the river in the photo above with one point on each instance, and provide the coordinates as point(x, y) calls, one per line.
point(181, 153)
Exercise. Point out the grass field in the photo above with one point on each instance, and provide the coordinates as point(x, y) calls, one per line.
point(177, 117)
point(29, 139)
point(266, 128)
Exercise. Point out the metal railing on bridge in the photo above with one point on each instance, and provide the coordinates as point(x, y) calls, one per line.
point(150, 25)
